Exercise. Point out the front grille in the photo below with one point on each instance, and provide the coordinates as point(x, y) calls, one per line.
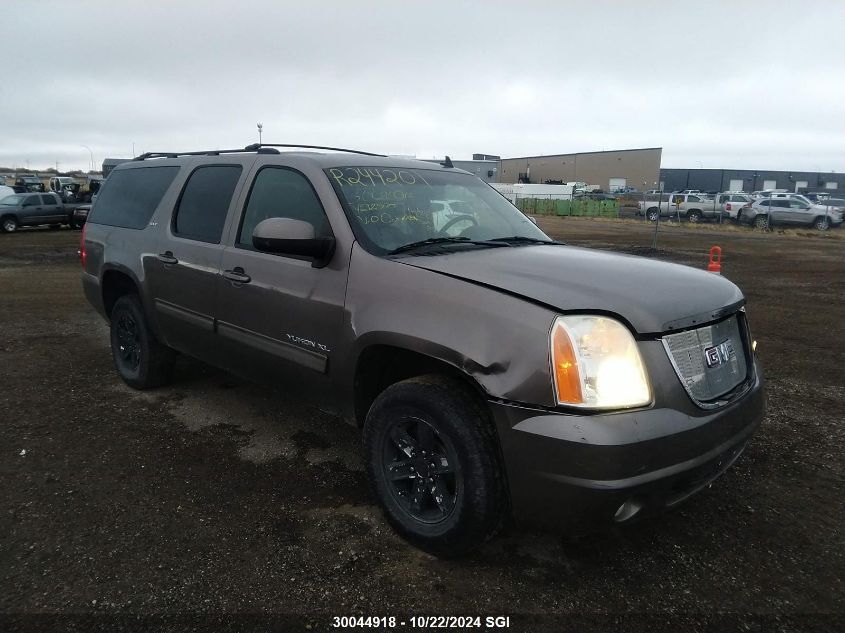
point(710, 360)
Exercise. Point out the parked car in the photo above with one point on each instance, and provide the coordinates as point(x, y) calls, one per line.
point(454, 215)
point(765, 213)
point(693, 207)
point(25, 184)
point(491, 372)
point(79, 216)
point(31, 209)
point(731, 204)
point(833, 203)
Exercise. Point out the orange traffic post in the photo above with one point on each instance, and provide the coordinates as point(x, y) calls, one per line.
point(715, 264)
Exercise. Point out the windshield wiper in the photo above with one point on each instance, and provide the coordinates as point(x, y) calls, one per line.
point(443, 240)
point(520, 239)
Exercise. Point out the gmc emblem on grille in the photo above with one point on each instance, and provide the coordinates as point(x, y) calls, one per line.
point(719, 354)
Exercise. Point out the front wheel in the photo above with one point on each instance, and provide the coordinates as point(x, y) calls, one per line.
point(432, 461)
point(141, 361)
point(822, 223)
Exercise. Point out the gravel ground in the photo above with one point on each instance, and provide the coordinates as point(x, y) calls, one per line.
point(217, 498)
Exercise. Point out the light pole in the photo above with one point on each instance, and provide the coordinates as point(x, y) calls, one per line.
point(91, 154)
point(260, 129)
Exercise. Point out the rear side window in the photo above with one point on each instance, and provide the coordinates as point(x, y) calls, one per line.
point(202, 208)
point(130, 196)
point(49, 199)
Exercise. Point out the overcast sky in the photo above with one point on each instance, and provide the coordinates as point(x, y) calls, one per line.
point(757, 85)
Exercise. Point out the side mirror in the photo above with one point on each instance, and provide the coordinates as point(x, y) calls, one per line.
point(286, 236)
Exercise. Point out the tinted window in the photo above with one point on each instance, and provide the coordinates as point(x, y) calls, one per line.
point(204, 203)
point(763, 203)
point(797, 204)
point(781, 204)
point(130, 196)
point(281, 193)
point(693, 199)
point(49, 199)
point(32, 201)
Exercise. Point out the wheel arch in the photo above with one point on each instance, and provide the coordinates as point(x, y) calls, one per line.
point(381, 364)
point(116, 282)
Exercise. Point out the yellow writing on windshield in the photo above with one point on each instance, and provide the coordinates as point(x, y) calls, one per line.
point(373, 176)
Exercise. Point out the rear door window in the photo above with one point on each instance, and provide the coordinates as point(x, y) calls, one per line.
point(129, 197)
point(204, 204)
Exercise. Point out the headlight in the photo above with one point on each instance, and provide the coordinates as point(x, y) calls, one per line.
point(596, 364)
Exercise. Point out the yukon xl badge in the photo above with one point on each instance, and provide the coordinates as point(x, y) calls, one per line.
point(719, 354)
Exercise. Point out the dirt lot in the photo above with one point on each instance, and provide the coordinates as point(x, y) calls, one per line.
point(215, 496)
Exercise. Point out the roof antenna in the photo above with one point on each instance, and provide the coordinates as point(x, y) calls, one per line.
point(448, 163)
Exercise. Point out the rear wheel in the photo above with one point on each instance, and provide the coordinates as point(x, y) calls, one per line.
point(762, 222)
point(139, 358)
point(432, 461)
point(694, 216)
point(9, 224)
point(822, 223)
point(652, 215)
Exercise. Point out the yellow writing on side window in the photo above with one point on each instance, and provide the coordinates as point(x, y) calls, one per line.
point(371, 176)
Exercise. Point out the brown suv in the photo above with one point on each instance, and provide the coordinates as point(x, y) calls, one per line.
point(492, 370)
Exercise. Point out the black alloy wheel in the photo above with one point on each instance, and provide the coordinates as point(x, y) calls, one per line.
point(433, 461)
point(140, 359)
point(420, 464)
point(129, 342)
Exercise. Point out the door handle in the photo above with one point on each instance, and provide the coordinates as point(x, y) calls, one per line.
point(237, 275)
point(167, 258)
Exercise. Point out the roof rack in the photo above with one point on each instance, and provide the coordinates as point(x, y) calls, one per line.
point(258, 148)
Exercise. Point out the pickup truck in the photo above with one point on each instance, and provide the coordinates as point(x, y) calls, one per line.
point(36, 209)
point(691, 206)
point(491, 370)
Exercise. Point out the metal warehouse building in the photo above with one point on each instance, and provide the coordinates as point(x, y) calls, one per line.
point(610, 170)
point(749, 180)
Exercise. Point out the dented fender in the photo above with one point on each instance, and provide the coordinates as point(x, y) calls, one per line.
point(498, 340)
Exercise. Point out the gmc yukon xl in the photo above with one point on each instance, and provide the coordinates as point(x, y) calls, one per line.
point(493, 371)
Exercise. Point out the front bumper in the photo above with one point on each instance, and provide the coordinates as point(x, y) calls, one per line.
point(580, 473)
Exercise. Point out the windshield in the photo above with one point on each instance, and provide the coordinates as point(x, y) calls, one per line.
point(13, 200)
point(391, 207)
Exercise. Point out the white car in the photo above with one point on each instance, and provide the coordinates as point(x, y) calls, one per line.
point(732, 202)
point(6, 191)
point(453, 215)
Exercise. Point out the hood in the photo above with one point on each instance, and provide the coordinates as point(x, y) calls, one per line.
point(652, 296)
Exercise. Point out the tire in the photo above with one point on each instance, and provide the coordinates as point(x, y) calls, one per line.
point(652, 215)
point(9, 224)
point(53, 227)
point(141, 361)
point(762, 222)
point(822, 223)
point(467, 501)
point(738, 218)
point(694, 216)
